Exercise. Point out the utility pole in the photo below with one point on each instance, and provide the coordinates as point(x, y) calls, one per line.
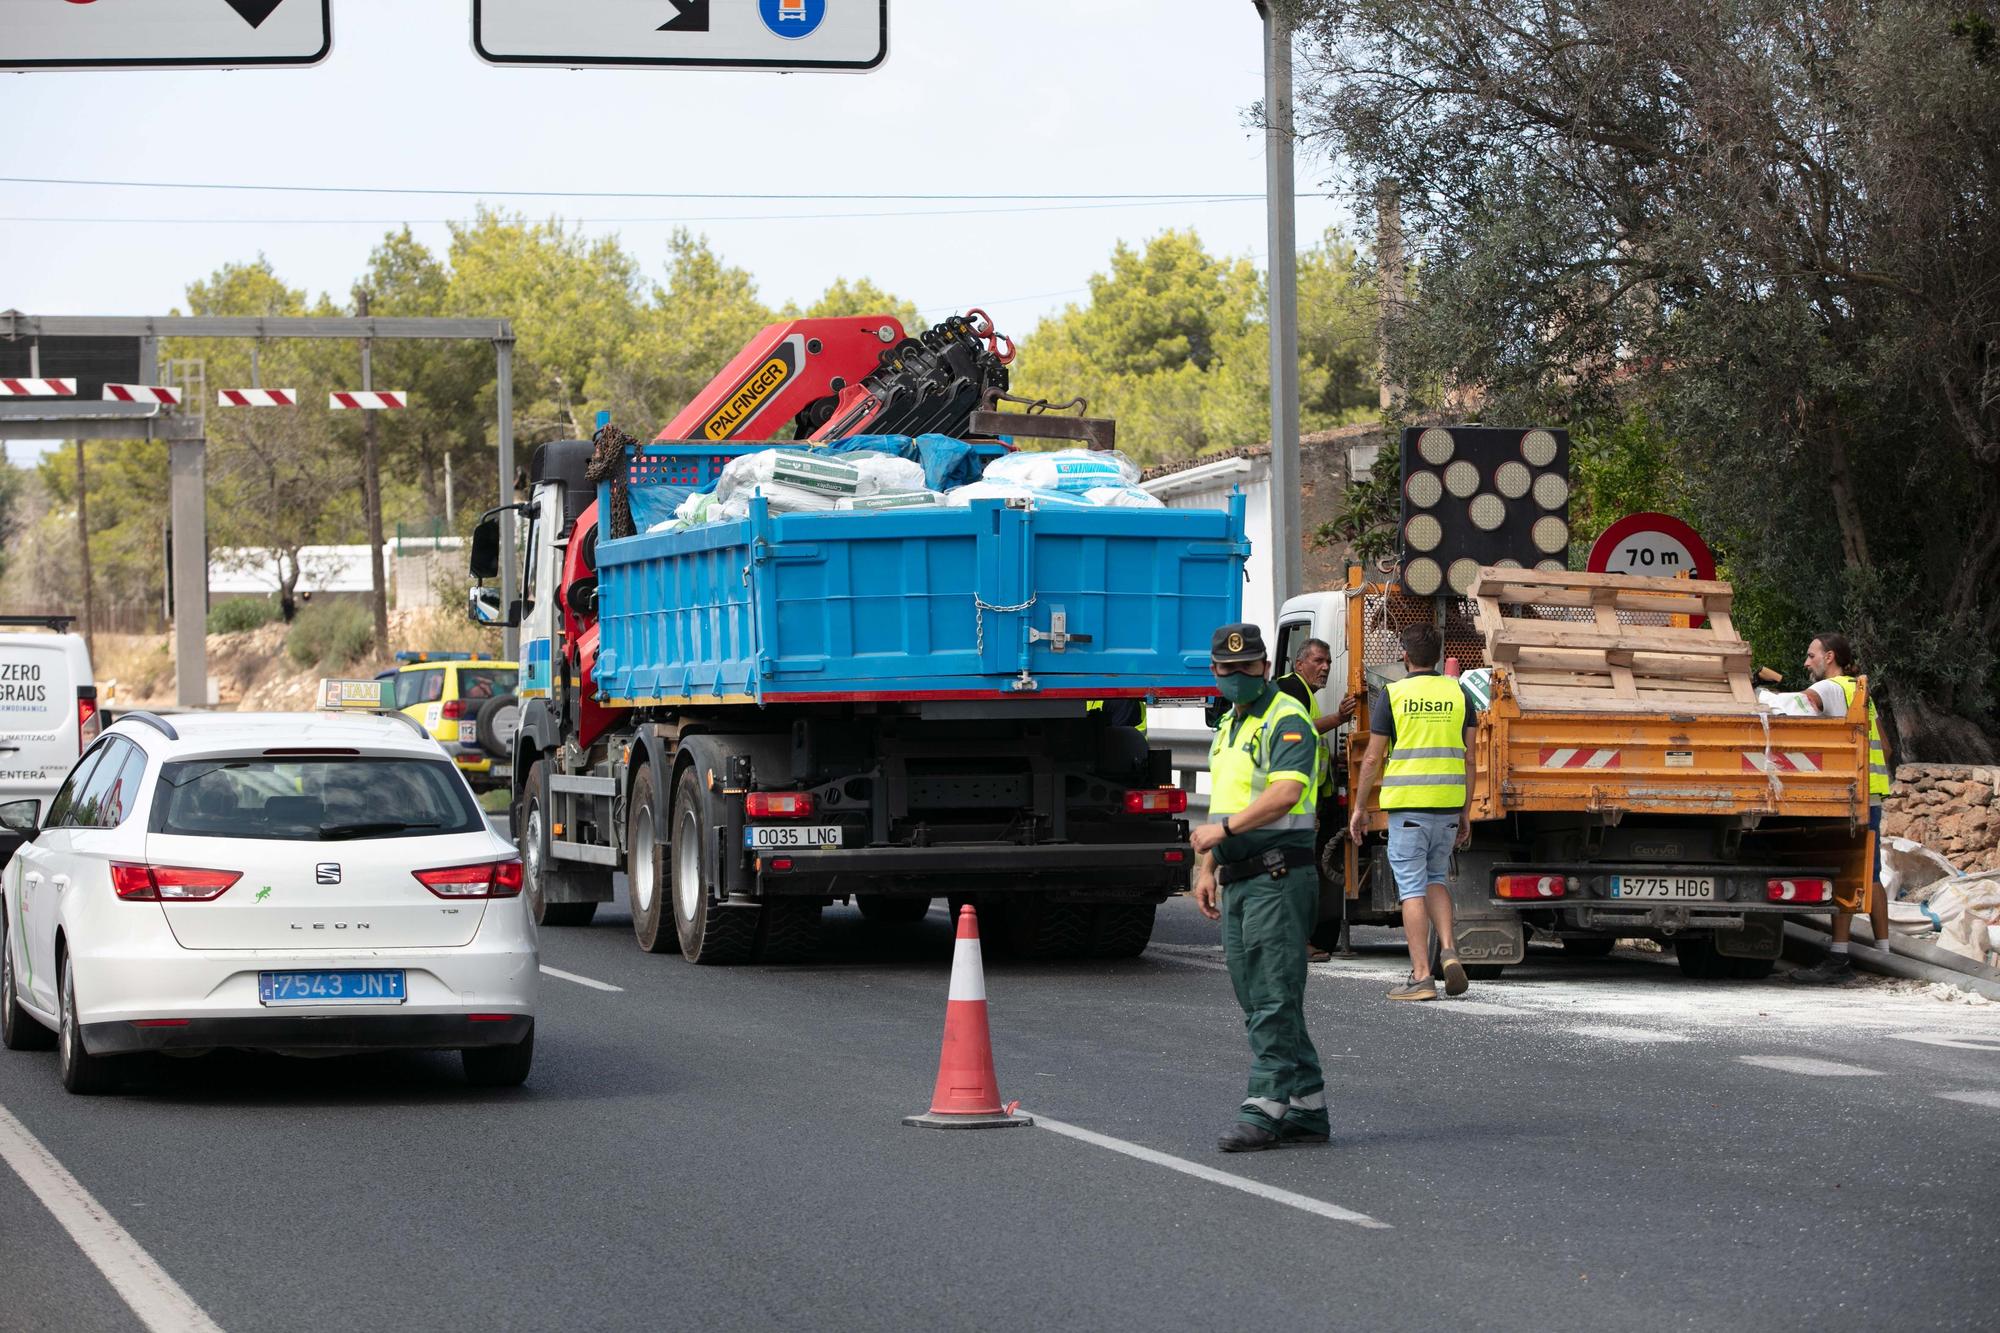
point(371, 486)
point(1287, 551)
point(450, 519)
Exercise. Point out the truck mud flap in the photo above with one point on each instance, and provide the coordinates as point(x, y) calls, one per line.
point(1499, 942)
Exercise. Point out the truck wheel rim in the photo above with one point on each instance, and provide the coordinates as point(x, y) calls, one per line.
point(687, 866)
point(643, 860)
point(532, 855)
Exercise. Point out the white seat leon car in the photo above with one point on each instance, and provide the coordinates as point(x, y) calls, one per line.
point(304, 882)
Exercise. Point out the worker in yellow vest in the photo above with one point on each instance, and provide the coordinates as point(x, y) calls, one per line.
point(1420, 734)
point(1830, 663)
point(1256, 874)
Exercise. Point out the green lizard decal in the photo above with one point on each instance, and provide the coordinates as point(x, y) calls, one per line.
point(263, 893)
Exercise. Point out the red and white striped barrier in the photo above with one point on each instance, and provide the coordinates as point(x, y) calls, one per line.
point(362, 400)
point(37, 388)
point(256, 397)
point(142, 393)
point(1579, 758)
point(1794, 761)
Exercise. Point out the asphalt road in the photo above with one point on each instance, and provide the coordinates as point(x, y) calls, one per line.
point(1592, 1146)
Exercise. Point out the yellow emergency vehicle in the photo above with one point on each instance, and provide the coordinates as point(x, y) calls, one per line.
point(466, 702)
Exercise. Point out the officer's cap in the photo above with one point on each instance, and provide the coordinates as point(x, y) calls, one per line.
point(1237, 643)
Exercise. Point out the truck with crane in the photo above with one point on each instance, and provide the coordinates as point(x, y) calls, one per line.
point(756, 717)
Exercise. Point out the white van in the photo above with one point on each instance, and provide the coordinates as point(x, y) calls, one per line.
point(48, 706)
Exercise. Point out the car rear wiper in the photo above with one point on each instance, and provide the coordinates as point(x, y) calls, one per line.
point(337, 832)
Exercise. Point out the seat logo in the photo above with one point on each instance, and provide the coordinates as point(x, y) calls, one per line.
point(326, 872)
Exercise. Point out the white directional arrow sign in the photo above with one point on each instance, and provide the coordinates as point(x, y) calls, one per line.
point(727, 34)
point(224, 34)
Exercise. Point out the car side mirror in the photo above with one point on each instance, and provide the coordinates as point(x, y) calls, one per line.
point(23, 817)
point(484, 559)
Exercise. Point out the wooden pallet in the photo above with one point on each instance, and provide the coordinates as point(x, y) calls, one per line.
point(1606, 663)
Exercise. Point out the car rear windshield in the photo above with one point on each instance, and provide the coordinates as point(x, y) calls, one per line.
point(484, 682)
point(313, 800)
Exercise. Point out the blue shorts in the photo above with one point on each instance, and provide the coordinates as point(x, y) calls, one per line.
point(1420, 847)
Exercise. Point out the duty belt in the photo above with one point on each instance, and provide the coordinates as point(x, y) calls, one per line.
point(1277, 863)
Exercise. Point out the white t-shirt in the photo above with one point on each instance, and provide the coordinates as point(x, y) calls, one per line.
point(1832, 699)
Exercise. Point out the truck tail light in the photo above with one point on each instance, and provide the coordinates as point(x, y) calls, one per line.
point(778, 805)
point(487, 879)
point(88, 723)
point(453, 710)
point(1799, 890)
point(1156, 801)
point(1529, 886)
point(169, 884)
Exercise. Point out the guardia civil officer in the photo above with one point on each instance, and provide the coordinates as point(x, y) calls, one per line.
point(1256, 874)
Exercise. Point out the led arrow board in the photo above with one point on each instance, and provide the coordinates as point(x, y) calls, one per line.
point(223, 34)
point(1482, 495)
point(715, 34)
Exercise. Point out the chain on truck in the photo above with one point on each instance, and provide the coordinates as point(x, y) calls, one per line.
point(756, 717)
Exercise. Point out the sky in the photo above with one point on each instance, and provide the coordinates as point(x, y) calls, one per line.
point(977, 97)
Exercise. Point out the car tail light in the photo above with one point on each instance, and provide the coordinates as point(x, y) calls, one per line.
point(781, 863)
point(169, 884)
point(1798, 890)
point(88, 723)
point(1157, 801)
point(778, 805)
point(1529, 886)
point(1175, 858)
point(453, 710)
point(487, 879)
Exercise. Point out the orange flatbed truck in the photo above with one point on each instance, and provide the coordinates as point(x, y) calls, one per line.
point(1626, 782)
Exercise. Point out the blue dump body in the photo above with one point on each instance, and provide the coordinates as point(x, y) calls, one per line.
point(919, 603)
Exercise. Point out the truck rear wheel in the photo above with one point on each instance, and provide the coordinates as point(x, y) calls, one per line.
point(709, 932)
point(646, 886)
point(1041, 930)
point(790, 930)
point(1121, 930)
point(541, 875)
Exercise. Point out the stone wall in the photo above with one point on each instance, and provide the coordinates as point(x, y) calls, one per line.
point(1951, 808)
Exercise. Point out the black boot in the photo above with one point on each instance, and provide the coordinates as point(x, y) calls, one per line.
point(1246, 1137)
point(1833, 970)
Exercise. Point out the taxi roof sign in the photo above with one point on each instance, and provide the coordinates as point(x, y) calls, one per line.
point(351, 695)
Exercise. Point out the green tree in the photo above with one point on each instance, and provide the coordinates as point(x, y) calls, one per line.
point(862, 297)
point(1769, 229)
point(1171, 344)
point(685, 334)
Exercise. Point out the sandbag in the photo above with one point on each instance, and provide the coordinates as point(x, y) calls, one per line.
point(1073, 470)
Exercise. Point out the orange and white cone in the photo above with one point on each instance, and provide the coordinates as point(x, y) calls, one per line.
point(967, 1095)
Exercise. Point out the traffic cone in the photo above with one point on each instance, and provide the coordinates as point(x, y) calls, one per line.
point(967, 1095)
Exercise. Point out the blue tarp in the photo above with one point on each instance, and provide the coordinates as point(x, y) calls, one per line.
point(656, 503)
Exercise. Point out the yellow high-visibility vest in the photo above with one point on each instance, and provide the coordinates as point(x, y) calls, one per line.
point(1097, 706)
point(1426, 768)
point(1878, 758)
point(1242, 748)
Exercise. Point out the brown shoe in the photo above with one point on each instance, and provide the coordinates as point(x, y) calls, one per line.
point(1413, 989)
point(1314, 955)
point(1454, 975)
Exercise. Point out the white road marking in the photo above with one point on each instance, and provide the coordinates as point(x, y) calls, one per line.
point(1800, 1064)
point(155, 1298)
point(1303, 1203)
point(1636, 1036)
point(561, 975)
point(1965, 1043)
point(1983, 1098)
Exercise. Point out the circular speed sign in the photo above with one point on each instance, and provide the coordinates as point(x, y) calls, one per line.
point(1657, 544)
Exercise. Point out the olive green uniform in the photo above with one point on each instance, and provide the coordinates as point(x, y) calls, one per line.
point(1266, 916)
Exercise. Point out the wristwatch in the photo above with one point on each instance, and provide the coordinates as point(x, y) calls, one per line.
point(1225, 827)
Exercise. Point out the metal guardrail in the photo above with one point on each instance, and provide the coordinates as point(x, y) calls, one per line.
point(1190, 757)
